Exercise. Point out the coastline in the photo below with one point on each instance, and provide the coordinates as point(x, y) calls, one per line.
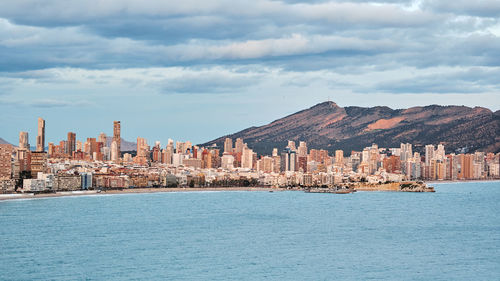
point(21, 196)
point(24, 196)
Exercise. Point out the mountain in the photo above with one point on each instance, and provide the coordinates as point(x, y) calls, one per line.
point(329, 126)
point(125, 145)
point(2, 141)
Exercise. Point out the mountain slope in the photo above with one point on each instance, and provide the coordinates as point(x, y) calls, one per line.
point(2, 141)
point(328, 126)
point(125, 145)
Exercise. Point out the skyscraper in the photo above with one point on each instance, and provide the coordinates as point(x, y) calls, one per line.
point(24, 141)
point(117, 137)
point(142, 151)
point(288, 160)
point(102, 138)
point(114, 151)
point(238, 145)
point(429, 154)
point(439, 153)
point(302, 150)
point(247, 158)
point(228, 145)
point(79, 146)
point(5, 161)
point(339, 157)
point(40, 138)
point(71, 144)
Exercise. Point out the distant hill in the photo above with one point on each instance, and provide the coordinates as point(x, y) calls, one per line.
point(2, 141)
point(329, 126)
point(125, 145)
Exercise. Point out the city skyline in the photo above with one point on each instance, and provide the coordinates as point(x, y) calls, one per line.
point(32, 138)
point(177, 63)
point(249, 140)
point(76, 165)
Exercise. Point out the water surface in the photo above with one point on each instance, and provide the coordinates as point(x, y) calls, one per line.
point(451, 234)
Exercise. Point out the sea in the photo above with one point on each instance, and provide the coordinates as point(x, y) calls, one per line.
point(452, 234)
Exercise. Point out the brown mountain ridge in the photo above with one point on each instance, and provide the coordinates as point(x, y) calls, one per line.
point(329, 126)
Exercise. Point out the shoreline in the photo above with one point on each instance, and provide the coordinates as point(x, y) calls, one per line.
point(24, 196)
point(21, 196)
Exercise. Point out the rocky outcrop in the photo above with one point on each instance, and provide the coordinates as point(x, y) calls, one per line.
point(415, 187)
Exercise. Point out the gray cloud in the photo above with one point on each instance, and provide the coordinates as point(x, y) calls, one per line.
point(475, 80)
point(57, 103)
point(481, 8)
point(209, 82)
point(350, 37)
point(45, 103)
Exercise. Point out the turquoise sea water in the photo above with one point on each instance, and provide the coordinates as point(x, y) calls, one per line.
point(453, 234)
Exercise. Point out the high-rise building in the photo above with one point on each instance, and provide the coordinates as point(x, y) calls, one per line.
point(440, 152)
point(71, 144)
point(79, 146)
point(38, 163)
point(339, 157)
point(180, 147)
point(114, 151)
point(103, 138)
point(406, 151)
point(206, 159)
point(142, 151)
point(429, 154)
point(157, 152)
point(106, 153)
point(228, 145)
point(40, 138)
point(392, 164)
point(91, 146)
point(265, 164)
point(302, 150)
point(117, 136)
point(320, 156)
point(52, 149)
point(167, 153)
point(24, 141)
point(247, 158)
point(227, 161)
point(288, 160)
point(238, 145)
point(216, 160)
point(5, 161)
point(302, 163)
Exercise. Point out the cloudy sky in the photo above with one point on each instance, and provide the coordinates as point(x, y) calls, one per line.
point(196, 70)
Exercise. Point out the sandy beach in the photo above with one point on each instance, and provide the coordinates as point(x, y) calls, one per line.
point(18, 196)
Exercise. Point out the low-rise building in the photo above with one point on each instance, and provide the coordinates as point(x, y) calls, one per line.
point(34, 185)
point(7, 186)
point(67, 182)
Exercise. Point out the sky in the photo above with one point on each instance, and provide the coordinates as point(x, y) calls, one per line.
point(197, 70)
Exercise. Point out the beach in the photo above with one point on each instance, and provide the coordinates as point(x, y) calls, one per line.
point(17, 196)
